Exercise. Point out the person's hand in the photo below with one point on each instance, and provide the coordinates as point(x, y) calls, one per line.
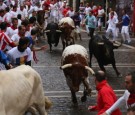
point(104, 113)
point(44, 47)
point(92, 108)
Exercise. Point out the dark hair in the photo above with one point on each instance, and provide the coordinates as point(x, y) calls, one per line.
point(33, 31)
point(14, 6)
point(32, 19)
point(23, 41)
point(19, 16)
point(20, 27)
point(7, 9)
point(25, 22)
point(13, 19)
point(3, 25)
point(132, 75)
point(100, 76)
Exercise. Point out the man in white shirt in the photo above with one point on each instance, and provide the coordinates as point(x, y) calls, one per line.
point(2, 5)
point(20, 34)
point(13, 12)
point(112, 25)
point(23, 12)
point(12, 29)
point(21, 54)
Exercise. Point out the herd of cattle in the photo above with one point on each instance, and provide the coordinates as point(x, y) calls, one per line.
point(24, 92)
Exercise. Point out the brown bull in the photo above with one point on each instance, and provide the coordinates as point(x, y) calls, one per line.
point(75, 68)
point(68, 33)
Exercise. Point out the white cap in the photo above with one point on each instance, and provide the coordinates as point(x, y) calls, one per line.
point(65, 1)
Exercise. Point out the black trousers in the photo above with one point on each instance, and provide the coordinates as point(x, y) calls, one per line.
point(91, 32)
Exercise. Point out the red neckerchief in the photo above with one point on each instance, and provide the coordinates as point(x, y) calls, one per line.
point(100, 85)
point(131, 99)
point(14, 28)
point(111, 17)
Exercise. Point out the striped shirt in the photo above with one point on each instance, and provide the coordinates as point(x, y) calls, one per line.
point(5, 41)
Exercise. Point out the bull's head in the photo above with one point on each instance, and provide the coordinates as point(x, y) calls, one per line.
point(76, 74)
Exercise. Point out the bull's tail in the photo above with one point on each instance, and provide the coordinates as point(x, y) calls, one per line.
point(48, 103)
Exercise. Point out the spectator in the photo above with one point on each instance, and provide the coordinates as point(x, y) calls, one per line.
point(4, 39)
point(128, 98)
point(32, 40)
point(106, 96)
point(21, 54)
point(20, 34)
point(4, 60)
point(12, 29)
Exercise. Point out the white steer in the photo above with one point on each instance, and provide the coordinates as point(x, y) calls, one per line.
point(21, 88)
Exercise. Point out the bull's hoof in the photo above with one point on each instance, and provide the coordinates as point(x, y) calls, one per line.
point(83, 99)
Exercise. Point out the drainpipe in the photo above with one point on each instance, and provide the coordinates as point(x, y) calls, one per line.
point(134, 19)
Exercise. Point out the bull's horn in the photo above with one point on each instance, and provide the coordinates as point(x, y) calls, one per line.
point(90, 70)
point(116, 44)
point(47, 30)
point(66, 66)
point(100, 43)
point(58, 31)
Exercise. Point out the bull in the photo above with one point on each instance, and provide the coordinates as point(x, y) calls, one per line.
point(67, 27)
point(102, 49)
point(21, 92)
point(53, 34)
point(75, 67)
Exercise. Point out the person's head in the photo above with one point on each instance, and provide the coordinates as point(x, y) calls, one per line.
point(130, 82)
point(112, 13)
point(21, 7)
point(124, 11)
point(15, 22)
point(26, 24)
point(34, 12)
point(22, 30)
point(99, 77)
point(90, 13)
point(7, 9)
point(14, 8)
point(87, 4)
point(32, 20)
point(100, 7)
point(81, 3)
point(23, 44)
point(1, 12)
point(19, 16)
point(3, 26)
point(34, 33)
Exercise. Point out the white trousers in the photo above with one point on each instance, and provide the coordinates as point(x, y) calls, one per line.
point(111, 30)
point(125, 33)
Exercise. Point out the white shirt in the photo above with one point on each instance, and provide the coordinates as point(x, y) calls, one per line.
point(15, 38)
point(70, 13)
point(18, 58)
point(23, 13)
point(7, 17)
point(87, 10)
point(112, 22)
point(10, 32)
point(13, 14)
point(3, 6)
point(100, 12)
